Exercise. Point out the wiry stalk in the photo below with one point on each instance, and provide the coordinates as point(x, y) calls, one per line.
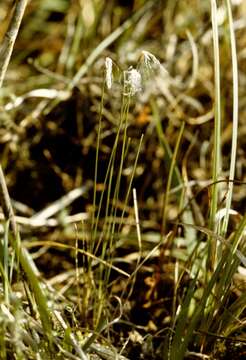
point(10, 37)
point(235, 117)
point(217, 136)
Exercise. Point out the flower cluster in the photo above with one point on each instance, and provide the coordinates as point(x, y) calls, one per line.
point(133, 78)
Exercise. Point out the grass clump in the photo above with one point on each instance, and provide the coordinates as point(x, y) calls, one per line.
point(123, 153)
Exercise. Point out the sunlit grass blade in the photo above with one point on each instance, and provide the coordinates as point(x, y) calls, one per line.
point(235, 117)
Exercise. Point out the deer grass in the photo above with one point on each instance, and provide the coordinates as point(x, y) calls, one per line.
point(155, 266)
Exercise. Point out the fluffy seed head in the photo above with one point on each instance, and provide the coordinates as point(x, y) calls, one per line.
point(109, 72)
point(132, 81)
point(149, 60)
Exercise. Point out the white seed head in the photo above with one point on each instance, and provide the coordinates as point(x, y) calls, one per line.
point(132, 81)
point(109, 72)
point(149, 60)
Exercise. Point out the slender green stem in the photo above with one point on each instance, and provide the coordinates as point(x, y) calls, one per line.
point(177, 178)
point(75, 47)
point(6, 261)
point(170, 177)
point(110, 164)
point(96, 160)
point(130, 182)
point(235, 117)
point(216, 162)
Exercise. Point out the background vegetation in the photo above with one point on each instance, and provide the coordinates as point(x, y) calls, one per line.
point(130, 209)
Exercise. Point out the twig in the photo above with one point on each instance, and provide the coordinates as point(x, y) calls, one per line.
point(60, 204)
point(10, 37)
point(50, 222)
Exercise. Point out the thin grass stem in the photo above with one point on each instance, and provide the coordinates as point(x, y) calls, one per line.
point(170, 177)
point(235, 117)
point(216, 161)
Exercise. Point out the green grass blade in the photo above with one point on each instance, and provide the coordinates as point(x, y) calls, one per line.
point(216, 161)
point(235, 117)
